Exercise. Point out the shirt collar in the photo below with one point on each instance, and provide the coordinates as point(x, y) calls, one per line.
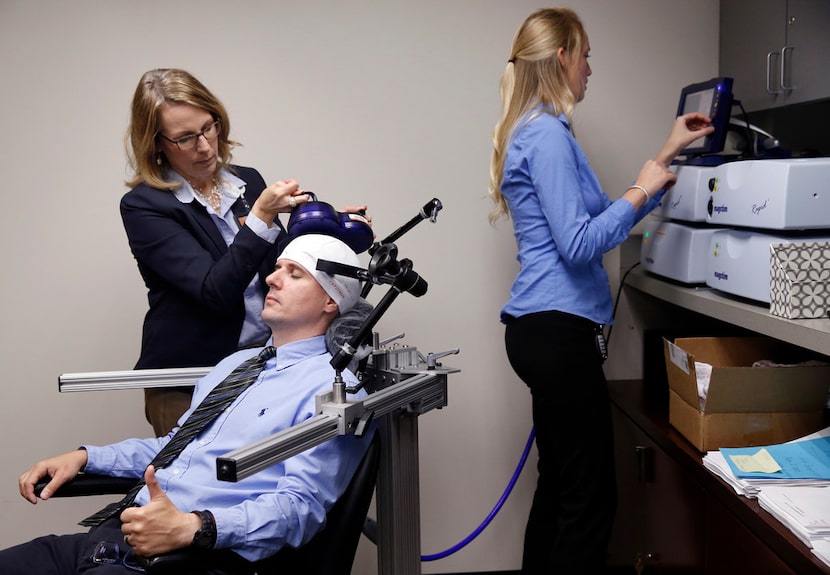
point(296, 351)
point(231, 186)
point(546, 109)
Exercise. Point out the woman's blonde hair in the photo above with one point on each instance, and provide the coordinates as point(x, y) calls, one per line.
point(155, 89)
point(534, 76)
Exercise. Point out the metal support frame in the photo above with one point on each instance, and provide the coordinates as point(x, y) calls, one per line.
point(403, 385)
point(396, 409)
point(398, 501)
point(403, 392)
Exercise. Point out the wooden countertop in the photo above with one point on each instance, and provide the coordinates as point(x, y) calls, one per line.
point(651, 415)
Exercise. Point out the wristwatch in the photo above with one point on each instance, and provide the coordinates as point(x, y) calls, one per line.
point(205, 536)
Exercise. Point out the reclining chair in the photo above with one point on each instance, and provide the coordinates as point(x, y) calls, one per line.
point(330, 552)
point(404, 385)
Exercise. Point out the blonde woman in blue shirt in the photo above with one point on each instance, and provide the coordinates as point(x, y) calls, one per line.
point(563, 224)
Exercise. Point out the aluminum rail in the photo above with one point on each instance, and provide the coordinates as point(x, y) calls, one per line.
point(133, 379)
point(417, 394)
point(407, 389)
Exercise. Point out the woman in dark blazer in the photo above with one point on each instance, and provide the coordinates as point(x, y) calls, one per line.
point(204, 233)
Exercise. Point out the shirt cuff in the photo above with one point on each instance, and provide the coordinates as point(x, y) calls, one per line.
point(98, 459)
point(260, 228)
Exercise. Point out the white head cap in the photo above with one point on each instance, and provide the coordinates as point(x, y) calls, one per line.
point(307, 249)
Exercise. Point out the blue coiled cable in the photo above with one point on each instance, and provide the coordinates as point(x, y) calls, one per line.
point(463, 543)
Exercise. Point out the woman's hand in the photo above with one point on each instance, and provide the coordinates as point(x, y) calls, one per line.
point(654, 177)
point(280, 197)
point(685, 130)
point(360, 213)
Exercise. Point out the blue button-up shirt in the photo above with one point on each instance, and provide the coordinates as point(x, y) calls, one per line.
point(563, 222)
point(285, 504)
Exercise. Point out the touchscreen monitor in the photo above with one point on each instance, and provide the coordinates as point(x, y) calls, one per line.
point(712, 98)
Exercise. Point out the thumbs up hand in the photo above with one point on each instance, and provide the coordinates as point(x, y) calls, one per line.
point(158, 526)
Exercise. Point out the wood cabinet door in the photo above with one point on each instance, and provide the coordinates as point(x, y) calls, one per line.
point(733, 548)
point(660, 517)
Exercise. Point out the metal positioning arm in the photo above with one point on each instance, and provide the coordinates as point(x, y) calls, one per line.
point(417, 394)
point(404, 385)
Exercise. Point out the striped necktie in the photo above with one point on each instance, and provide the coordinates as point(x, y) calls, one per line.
point(215, 403)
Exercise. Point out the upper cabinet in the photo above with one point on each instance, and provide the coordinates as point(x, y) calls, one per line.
point(777, 51)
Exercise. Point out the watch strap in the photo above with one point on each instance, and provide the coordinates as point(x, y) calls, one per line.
point(205, 536)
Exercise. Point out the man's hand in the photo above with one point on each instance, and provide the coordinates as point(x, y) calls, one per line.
point(60, 468)
point(159, 526)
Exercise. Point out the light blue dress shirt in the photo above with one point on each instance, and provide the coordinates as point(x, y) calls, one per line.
point(563, 222)
point(285, 504)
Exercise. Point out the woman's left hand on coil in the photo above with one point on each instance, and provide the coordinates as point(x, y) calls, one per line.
point(360, 213)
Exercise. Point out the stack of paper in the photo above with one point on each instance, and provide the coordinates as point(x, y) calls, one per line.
point(803, 464)
point(821, 549)
point(804, 510)
point(791, 482)
point(716, 463)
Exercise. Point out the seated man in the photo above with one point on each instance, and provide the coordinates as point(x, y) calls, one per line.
point(183, 504)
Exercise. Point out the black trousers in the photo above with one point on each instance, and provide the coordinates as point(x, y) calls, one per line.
point(573, 507)
point(71, 555)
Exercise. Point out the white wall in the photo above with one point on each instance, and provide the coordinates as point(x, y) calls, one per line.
point(386, 102)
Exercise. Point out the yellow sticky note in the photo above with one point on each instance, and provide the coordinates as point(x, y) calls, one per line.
point(760, 462)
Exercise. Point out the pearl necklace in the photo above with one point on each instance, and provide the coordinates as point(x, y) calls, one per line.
point(213, 197)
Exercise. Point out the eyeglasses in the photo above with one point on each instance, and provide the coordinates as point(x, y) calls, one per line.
point(109, 553)
point(189, 142)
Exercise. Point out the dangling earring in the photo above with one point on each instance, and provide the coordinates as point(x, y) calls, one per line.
point(158, 159)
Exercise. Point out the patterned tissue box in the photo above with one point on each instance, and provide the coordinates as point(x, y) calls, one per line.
point(800, 280)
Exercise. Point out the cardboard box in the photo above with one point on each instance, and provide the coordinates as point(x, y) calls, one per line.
point(800, 279)
point(745, 405)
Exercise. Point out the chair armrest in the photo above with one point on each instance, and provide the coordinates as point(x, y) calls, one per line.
point(93, 484)
point(89, 484)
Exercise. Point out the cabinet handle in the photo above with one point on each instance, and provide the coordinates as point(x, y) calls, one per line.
point(783, 82)
point(769, 72)
point(642, 560)
point(645, 463)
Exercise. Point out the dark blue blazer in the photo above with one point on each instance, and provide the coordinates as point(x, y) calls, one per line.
point(195, 282)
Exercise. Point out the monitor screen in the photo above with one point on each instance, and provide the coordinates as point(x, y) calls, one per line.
point(712, 98)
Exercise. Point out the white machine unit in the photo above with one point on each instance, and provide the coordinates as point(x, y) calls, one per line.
point(738, 261)
point(676, 251)
point(777, 194)
point(689, 198)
